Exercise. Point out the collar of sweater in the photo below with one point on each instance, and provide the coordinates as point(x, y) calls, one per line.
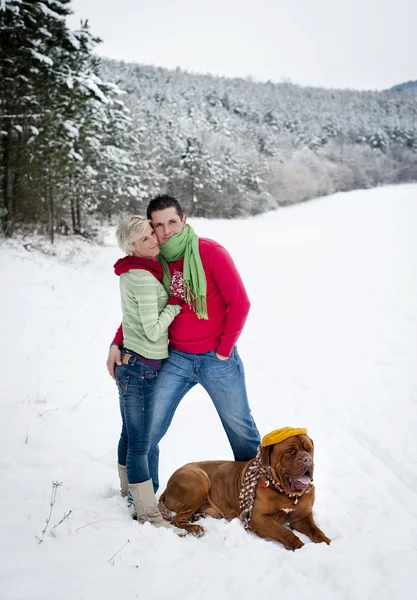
point(127, 263)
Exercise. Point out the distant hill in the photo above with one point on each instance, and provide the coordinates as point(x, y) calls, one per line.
point(408, 86)
point(233, 147)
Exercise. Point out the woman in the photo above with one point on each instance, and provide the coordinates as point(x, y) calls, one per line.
point(146, 318)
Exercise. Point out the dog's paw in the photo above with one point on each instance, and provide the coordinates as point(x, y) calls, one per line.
point(196, 530)
point(320, 538)
point(198, 516)
point(165, 512)
point(294, 544)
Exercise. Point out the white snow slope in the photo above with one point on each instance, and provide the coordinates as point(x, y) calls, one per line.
point(330, 344)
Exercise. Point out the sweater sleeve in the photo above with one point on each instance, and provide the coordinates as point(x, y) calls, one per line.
point(118, 337)
point(230, 285)
point(143, 288)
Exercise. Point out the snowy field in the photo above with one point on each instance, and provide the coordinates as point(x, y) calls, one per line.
point(330, 344)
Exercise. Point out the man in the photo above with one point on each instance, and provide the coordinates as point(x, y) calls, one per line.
point(203, 336)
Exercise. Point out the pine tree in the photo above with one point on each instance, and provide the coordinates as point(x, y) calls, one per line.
point(67, 136)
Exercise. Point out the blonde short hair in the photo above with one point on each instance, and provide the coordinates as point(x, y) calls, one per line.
point(128, 231)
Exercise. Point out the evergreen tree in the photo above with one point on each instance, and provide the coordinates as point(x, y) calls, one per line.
point(67, 136)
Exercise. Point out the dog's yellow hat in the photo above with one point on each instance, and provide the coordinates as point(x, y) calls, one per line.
point(279, 435)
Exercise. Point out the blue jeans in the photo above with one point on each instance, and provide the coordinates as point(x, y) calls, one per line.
point(136, 384)
point(224, 381)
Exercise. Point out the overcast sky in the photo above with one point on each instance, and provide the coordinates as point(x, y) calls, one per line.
point(362, 44)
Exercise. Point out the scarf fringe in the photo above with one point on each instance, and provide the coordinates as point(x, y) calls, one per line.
point(198, 305)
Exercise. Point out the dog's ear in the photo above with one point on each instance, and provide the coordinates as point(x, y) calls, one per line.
point(265, 456)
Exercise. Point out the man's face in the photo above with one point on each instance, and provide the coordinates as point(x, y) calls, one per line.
point(167, 223)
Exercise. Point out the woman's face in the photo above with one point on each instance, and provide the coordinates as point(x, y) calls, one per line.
point(146, 244)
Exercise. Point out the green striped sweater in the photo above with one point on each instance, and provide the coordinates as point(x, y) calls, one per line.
point(146, 316)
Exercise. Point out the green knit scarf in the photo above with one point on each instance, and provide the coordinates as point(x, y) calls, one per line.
point(185, 244)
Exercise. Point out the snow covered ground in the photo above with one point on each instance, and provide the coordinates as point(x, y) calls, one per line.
point(330, 344)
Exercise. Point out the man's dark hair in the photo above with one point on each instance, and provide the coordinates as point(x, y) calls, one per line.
point(163, 201)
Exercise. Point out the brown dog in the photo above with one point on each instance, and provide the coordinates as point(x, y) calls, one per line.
point(280, 479)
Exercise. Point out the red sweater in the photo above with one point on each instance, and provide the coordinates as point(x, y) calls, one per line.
point(227, 306)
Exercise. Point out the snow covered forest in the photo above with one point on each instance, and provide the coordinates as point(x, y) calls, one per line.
point(83, 138)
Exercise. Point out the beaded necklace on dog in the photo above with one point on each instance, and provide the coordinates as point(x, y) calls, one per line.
point(248, 489)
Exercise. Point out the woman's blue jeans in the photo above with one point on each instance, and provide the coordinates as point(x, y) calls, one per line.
point(135, 382)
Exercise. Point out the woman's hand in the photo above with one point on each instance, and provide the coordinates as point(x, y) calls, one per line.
point(220, 357)
point(112, 359)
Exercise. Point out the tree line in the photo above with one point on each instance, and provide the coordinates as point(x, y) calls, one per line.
point(83, 138)
point(235, 147)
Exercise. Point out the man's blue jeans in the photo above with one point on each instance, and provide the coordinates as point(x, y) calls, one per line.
point(136, 384)
point(224, 381)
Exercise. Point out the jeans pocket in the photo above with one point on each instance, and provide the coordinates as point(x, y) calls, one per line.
point(149, 378)
point(150, 375)
point(220, 360)
point(140, 375)
point(122, 380)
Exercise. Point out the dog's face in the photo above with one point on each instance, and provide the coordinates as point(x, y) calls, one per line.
point(291, 462)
